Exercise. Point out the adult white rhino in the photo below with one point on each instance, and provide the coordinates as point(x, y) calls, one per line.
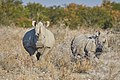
point(87, 46)
point(39, 40)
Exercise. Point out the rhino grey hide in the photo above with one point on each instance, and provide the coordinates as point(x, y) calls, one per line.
point(38, 41)
point(29, 41)
point(83, 46)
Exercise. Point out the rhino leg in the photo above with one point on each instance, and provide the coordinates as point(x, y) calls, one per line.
point(93, 59)
point(90, 56)
point(34, 58)
point(46, 51)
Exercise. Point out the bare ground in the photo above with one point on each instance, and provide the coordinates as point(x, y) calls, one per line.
point(16, 64)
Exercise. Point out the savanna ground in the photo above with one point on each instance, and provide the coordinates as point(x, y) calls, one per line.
point(16, 64)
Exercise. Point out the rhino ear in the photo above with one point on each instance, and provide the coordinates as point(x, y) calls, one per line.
point(97, 33)
point(34, 23)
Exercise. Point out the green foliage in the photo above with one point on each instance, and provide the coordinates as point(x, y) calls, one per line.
point(23, 22)
point(56, 14)
point(72, 15)
point(115, 6)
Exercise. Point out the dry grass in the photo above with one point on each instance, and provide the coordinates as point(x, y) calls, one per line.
point(16, 64)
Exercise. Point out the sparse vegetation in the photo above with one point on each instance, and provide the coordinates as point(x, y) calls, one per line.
point(16, 64)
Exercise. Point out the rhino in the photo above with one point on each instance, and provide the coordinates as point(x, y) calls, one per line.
point(39, 40)
point(83, 46)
